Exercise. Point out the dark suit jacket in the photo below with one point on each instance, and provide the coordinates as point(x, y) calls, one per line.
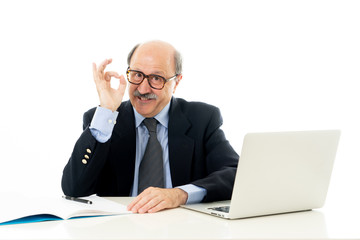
point(198, 154)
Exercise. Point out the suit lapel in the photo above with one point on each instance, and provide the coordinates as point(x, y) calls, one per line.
point(126, 116)
point(124, 147)
point(181, 146)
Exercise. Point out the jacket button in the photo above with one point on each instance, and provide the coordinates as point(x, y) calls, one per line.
point(88, 150)
point(86, 156)
point(84, 161)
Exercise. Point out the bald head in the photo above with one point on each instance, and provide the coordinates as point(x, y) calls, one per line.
point(159, 48)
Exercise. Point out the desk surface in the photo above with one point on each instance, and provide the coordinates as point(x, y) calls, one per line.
point(181, 223)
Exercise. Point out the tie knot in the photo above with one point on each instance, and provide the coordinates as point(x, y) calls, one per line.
point(150, 124)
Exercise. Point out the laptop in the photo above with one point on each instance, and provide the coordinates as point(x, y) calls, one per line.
point(279, 172)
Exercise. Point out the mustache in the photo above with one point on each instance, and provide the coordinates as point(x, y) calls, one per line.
point(148, 96)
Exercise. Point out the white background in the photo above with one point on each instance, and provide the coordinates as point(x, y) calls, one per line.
point(268, 65)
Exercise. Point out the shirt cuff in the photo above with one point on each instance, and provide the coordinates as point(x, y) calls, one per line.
point(103, 123)
point(195, 194)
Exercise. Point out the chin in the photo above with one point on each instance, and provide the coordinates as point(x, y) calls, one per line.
point(144, 110)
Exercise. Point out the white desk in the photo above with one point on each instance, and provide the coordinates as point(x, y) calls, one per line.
point(185, 224)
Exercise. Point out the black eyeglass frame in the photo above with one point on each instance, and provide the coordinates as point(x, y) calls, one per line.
point(147, 77)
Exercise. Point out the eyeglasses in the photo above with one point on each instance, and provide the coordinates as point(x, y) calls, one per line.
point(155, 81)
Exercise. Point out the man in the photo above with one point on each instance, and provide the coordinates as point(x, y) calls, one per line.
point(113, 156)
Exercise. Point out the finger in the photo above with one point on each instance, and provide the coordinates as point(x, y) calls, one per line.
point(139, 204)
point(122, 85)
point(150, 204)
point(158, 207)
point(110, 74)
point(133, 206)
point(94, 70)
point(122, 80)
point(96, 75)
point(103, 65)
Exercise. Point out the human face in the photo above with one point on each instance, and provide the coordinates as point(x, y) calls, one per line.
point(153, 58)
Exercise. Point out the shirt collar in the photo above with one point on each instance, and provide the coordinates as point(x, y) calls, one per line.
point(162, 117)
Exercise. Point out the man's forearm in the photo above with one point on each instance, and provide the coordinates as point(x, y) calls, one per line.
point(84, 166)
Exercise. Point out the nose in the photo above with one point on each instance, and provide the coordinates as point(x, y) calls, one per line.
point(144, 87)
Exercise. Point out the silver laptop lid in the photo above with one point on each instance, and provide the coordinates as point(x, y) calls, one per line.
point(283, 172)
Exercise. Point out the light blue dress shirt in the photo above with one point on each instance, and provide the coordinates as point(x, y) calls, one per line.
point(101, 128)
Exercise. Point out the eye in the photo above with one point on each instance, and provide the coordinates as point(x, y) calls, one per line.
point(156, 78)
point(138, 75)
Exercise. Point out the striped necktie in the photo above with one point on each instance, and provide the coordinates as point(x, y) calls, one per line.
point(151, 171)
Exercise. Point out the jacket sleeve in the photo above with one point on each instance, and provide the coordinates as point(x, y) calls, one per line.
point(221, 161)
point(87, 160)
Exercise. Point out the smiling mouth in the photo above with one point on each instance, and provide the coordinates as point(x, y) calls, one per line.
point(145, 99)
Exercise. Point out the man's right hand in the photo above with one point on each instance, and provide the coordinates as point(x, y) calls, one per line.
point(110, 98)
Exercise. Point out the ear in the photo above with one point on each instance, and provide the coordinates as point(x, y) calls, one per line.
point(177, 81)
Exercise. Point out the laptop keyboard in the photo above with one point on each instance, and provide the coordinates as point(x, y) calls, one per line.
point(221, 209)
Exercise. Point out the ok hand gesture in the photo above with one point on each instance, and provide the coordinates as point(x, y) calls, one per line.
point(110, 98)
